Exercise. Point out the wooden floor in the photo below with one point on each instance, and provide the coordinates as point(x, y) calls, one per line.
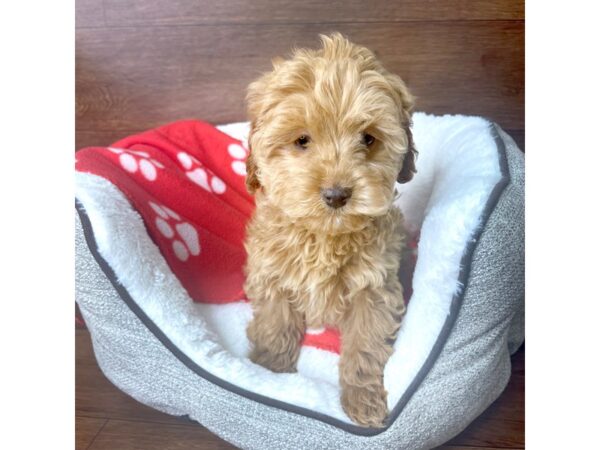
point(142, 63)
point(108, 419)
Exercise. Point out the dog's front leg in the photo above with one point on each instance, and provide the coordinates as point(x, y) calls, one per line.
point(368, 330)
point(275, 333)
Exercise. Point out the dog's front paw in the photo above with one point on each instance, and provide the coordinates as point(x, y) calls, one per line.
point(365, 405)
point(276, 362)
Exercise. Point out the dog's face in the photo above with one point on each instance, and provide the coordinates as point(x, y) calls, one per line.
point(330, 136)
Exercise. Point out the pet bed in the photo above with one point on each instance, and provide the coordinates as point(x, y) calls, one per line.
point(159, 283)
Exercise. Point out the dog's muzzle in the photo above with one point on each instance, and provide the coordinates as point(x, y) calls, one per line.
point(336, 197)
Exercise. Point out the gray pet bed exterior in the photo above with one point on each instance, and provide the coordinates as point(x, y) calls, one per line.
point(466, 372)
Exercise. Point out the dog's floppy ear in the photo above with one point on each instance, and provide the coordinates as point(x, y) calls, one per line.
point(408, 164)
point(252, 183)
point(405, 101)
point(256, 101)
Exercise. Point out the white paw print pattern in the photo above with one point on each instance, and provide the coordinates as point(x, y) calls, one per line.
point(196, 172)
point(134, 160)
point(184, 236)
point(239, 155)
point(315, 331)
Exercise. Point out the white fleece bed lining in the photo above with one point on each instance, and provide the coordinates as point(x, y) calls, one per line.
point(458, 153)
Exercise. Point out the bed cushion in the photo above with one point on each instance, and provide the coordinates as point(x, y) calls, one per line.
point(168, 326)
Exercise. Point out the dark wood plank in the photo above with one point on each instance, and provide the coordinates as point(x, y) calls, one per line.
point(86, 429)
point(89, 13)
point(157, 12)
point(503, 423)
point(519, 137)
point(85, 138)
point(119, 434)
point(97, 397)
point(138, 78)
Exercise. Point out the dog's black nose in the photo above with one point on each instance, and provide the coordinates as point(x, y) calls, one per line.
point(336, 197)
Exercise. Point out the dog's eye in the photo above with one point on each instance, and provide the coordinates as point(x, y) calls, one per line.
point(302, 141)
point(368, 139)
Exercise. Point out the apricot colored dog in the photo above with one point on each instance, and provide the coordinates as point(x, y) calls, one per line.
point(329, 137)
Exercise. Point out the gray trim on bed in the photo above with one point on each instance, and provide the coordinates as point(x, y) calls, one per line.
point(469, 374)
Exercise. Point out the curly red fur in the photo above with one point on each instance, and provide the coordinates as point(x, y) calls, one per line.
point(309, 264)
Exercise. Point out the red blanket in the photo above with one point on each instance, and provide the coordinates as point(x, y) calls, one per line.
point(186, 180)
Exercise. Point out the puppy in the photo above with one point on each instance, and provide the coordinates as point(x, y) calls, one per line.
point(329, 137)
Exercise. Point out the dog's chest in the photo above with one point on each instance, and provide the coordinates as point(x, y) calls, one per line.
point(324, 279)
point(320, 273)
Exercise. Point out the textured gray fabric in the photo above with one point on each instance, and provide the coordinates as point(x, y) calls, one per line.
point(469, 374)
